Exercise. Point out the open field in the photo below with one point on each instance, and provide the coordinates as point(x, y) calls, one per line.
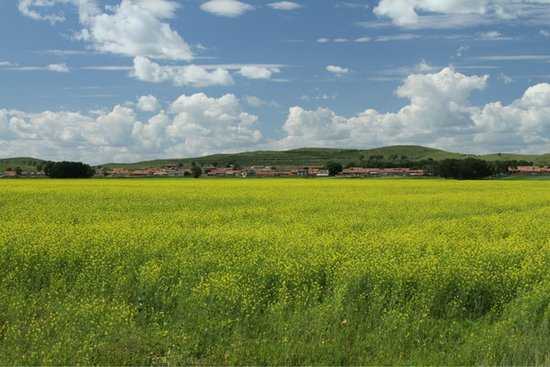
point(274, 272)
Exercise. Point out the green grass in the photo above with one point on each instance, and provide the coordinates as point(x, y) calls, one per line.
point(25, 163)
point(299, 158)
point(274, 272)
point(320, 156)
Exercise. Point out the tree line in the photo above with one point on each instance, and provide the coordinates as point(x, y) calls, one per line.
point(462, 169)
point(68, 170)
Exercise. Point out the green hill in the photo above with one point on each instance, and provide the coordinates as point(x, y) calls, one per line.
point(299, 158)
point(25, 163)
point(320, 156)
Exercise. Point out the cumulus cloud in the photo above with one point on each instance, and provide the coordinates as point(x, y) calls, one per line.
point(148, 103)
point(189, 75)
point(131, 28)
point(523, 125)
point(285, 5)
point(338, 70)
point(194, 125)
point(257, 72)
point(226, 8)
point(438, 114)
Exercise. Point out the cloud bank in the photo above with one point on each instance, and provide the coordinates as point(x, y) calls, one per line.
point(438, 114)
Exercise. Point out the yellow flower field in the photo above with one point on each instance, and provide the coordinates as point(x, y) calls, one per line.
point(274, 272)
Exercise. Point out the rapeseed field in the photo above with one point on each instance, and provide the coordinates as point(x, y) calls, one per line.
point(274, 272)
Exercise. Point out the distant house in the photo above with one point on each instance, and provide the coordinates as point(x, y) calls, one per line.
point(312, 171)
point(529, 170)
point(9, 174)
point(380, 172)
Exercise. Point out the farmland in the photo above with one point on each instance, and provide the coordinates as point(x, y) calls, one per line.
point(278, 272)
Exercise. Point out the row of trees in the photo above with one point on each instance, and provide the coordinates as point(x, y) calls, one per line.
point(461, 169)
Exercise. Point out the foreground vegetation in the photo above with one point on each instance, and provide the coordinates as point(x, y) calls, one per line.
point(284, 272)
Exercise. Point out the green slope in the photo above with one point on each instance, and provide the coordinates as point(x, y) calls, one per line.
point(27, 164)
point(320, 156)
point(301, 157)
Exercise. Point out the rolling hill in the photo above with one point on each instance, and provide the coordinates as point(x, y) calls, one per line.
point(27, 164)
point(300, 158)
point(320, 156)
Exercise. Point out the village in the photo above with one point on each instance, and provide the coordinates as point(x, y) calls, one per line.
point(265, 171)
point(259, 171)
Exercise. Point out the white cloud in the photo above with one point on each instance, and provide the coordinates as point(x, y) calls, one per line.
point(58, 68)
point(323, 40)
point(506, 79)
point(337, 69)
point(199, 77)
point(285, 5)
point(30, 8)
point(459, 13)
point(195, 125)
point(544, 33)
point(253, 101)
point(512, 58)
point(134, 30)
point(257, 72)
point(5, 63)
point(438, 114)
point(461, 50)
point(523, 125)
point(492, 36)
point(192, 75)
point(205, 124)
point(148, 103)
point(363, 39)
point(404, 12)
point(160, 8)
point(397, 37)
point(226, 8)
point(131, 28)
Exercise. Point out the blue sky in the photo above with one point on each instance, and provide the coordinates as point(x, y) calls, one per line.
point(129, 80)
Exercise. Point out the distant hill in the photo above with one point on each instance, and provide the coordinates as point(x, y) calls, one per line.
point(25, 163)
point(300, 158)
point(320, 156)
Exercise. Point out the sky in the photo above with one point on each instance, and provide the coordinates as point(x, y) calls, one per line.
point(131, 80)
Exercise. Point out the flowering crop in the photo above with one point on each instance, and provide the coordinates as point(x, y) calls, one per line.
point(282, 271)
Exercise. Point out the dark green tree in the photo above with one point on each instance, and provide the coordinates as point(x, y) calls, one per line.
point(464, 169)
point(196, 171)
point(334, 168)
point(68, 170)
